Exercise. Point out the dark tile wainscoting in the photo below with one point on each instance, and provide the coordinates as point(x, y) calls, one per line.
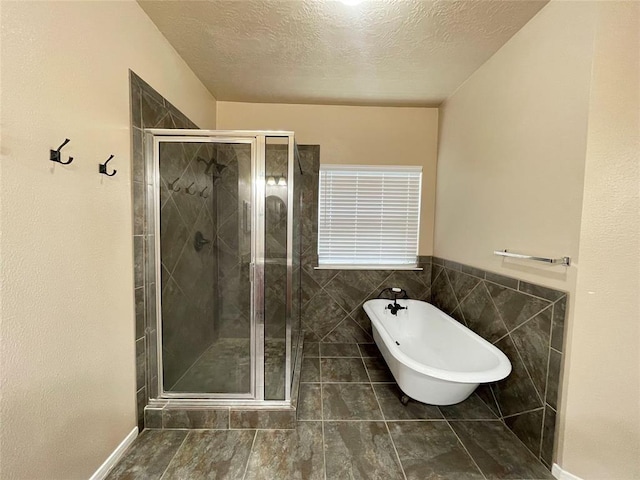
point(526, 322)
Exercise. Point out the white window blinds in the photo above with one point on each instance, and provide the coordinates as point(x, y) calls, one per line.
point(368, 216)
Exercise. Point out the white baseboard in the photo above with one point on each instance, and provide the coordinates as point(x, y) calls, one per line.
point(561, 474)
point(115, 456)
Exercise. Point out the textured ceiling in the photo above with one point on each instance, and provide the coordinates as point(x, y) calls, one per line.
point(386, 52)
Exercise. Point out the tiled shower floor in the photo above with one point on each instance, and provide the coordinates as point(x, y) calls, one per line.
point(351, 425)
point(222, 368)
point(225, 368)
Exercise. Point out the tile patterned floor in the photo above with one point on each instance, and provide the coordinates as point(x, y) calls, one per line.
point(351, 425)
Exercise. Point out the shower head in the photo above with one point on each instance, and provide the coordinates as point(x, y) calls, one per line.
point(219, 167)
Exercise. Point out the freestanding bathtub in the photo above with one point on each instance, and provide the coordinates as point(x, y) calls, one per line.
point(433, 358)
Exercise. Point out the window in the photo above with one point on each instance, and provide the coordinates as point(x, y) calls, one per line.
point(368, 217)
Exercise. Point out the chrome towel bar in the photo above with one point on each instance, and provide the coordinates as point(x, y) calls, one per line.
point(566, 261)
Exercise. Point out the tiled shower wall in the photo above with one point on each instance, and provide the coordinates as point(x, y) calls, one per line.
point(189, 278)
point(526, 322)
point(189, 287)
point(275, 270)
point(148, 110)
point(233, 239)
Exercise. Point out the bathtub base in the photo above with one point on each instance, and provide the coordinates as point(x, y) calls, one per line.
point(420, 387)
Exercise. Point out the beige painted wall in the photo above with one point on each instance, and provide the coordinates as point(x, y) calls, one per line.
point(511, 152)
point(602, 391)
point(354, 135)
point(67, 331)
point(511, 174)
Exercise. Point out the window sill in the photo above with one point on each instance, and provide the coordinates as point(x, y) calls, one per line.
point(367, 267)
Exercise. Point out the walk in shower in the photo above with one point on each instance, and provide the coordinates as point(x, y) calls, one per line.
point(223, 207)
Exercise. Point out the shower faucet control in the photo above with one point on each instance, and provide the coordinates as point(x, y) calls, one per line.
point(199, 241)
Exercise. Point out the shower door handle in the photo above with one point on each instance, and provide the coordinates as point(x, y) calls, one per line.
point(252, 271)
point(246, 228)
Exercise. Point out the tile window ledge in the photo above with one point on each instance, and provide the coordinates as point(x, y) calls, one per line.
point(367, 267)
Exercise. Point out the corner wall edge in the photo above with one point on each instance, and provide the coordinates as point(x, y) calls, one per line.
point(561, 474)
point(115, 456)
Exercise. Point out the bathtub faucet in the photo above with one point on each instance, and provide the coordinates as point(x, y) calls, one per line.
point(394, 307)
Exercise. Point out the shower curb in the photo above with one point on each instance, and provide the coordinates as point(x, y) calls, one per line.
point(165, 414)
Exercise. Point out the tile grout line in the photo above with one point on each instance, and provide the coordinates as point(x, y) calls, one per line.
point(456, 420)
point(499, 415)
point(433, 279)
point(336, 326)
point(348, 314)
point(465, 297)
point(538, 296)
point(495, 399)
point(455, 295)
point(546, 384)
point(550, 306)
point(531, 410)
point(192, 365)
point(466, 450)
point(398, 420)
point(324, 453)
point(364, 382)
point(393, 443)
point(517, 289)
point(339, 356)
point(544, 418)
point(246, 467)
point(501, 338)
point(504, 324)
point(533, 455)
point(535, 388)
point(174, 455)
point(384, 419)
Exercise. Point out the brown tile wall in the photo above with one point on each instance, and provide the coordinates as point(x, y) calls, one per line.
point(186, 281)
point(148, 110)
point(526, 322)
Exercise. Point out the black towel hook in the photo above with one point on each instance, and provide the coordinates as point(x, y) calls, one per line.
point(202, 192)
point(55, 155)
point(188, 189)
point(103, 168)
point(171, 185)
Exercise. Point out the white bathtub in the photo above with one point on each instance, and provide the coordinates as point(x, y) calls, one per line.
point(433, 358)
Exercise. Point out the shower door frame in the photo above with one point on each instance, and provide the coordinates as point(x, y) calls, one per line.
point(257, 140)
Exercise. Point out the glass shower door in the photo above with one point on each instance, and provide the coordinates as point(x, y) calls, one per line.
point(204, 240)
